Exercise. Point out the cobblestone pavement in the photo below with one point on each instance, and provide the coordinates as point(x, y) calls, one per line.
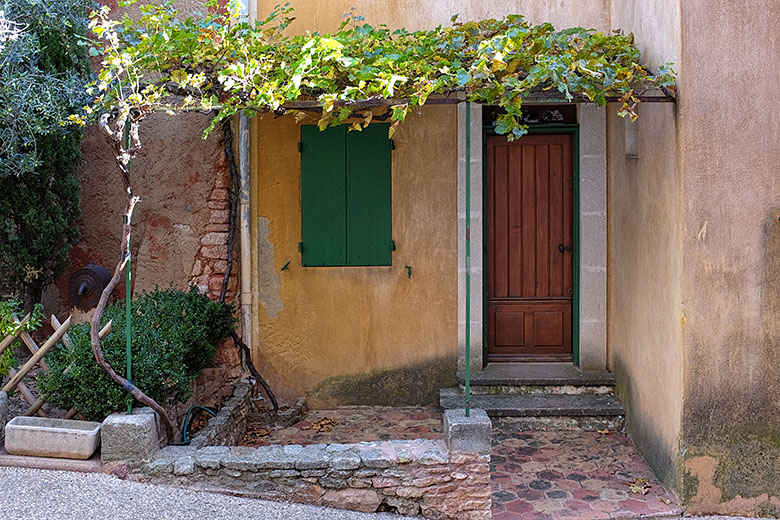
point(354, 424)
point(571, 476)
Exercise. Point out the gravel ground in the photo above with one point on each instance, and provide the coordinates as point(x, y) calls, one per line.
point(32, 494)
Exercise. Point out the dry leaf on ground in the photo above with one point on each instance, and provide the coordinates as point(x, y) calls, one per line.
point(639, 486)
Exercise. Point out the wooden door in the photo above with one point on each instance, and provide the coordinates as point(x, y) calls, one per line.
point(530, 248)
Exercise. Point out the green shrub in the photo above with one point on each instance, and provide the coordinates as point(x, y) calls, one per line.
point(174, 336)
point(10, 316)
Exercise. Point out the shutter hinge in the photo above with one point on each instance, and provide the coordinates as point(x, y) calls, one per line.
point(392, 244)
point(300, 147)
point(300, 247)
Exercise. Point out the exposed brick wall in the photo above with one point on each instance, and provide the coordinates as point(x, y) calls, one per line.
point(210, 263)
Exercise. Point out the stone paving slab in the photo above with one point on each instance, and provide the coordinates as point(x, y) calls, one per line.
point(355, 424)
point(571, 476)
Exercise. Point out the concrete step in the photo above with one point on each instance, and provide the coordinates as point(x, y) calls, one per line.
point(545, 411)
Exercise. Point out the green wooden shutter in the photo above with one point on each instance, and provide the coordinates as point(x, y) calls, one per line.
point(369, 197)
point(323, 196)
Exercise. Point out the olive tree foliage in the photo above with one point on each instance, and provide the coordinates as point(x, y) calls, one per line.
point(43, 74)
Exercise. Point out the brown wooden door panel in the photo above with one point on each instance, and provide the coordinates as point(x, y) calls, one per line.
point(530, 216)
point(539, 331)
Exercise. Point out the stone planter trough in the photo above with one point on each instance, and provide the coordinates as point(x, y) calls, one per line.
point(45, 437)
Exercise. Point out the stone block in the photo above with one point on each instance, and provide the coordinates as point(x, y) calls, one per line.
point(3, 409)
point(467, 434)
point(130, 437)
point(274, 457)
point(345, 460)
point(364, 500)
point(313, 457)
point(375, 458)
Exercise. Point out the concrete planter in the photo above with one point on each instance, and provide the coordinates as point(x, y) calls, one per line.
point(44, 437)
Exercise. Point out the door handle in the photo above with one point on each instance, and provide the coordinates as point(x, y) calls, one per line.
point(561, 248)
point(568, 248)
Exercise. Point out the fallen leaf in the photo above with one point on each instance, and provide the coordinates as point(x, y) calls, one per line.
point(639, 486)
point(666, 501)
point(605, 431)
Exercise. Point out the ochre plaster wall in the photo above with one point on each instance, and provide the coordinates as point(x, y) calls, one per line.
point(730, 134)
point(361, 335)
point(316, 15)
point(645, 212)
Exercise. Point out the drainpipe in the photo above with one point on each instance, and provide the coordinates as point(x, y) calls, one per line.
point(244, 210)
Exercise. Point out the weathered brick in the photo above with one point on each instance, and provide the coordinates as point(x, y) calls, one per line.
point(215, 204)
point(219, 194)
point(214, 239)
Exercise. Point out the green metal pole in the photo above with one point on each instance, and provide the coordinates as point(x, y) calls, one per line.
point(128, 294)
point(468, 257)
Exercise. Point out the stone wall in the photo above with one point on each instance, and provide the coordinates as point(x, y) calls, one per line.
point(230, 423)
point(443, 479)
point(409, 477)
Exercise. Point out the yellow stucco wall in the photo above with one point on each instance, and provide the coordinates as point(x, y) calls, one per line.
point(318, 15)
point(645, 219)
point(320, 330)
point(324, 322)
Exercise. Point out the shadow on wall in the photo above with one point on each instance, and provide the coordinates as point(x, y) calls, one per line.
point(411, 385)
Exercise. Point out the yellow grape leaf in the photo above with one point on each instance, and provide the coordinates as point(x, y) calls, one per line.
point(605, 431)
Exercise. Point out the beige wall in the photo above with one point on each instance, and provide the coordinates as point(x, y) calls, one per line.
point(362, 334)
point(730, 134)
point(318, 15)
point(644, 250)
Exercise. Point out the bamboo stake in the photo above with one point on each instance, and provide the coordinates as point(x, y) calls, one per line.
point(38, 356)
point(28, 396)
point(10, 339)
point(33, 347)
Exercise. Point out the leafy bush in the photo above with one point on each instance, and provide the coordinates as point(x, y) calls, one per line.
point(174, 336)
point(9, 325)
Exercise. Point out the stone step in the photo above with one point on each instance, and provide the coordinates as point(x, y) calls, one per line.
point(545, 411)
point(537, 374)
point(538, 378)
